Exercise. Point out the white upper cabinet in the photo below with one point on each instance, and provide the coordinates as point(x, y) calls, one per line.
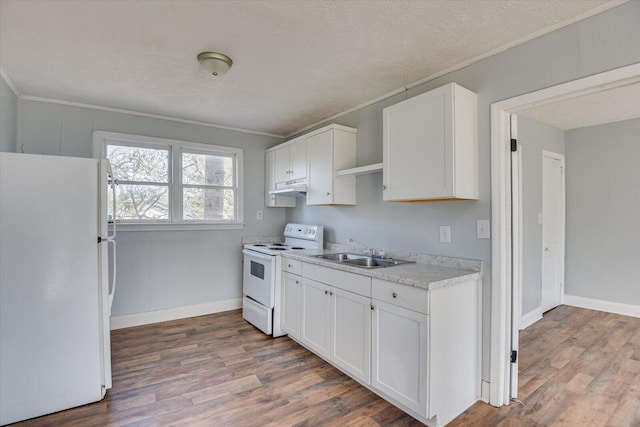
point(271, 200)
point(291, 161)
point(329, 151)
point(430, 146)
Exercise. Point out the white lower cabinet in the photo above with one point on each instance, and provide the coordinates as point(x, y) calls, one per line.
point(350, 333)
point(291, 301)
point(418, 348)
point(316, 317)
point(336, 324)
point(399, 355)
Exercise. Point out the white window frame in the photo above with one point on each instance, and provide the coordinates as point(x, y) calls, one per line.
point(101, 139)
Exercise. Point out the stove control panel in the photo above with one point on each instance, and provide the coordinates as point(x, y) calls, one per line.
point(302, 231)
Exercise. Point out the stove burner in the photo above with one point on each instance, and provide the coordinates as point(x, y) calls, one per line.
point(259, 244)
point(297, 247)
point(278, 244)
point(278, 249)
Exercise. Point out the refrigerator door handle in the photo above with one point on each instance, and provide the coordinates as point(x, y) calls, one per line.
point(112, 183)
point(112, 290)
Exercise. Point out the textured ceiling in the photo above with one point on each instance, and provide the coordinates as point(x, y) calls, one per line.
point(613, 105)
point(295, 62)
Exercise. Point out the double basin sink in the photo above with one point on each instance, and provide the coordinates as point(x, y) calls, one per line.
point(362, 261)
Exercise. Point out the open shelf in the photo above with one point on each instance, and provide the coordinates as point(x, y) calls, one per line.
point(362, 170)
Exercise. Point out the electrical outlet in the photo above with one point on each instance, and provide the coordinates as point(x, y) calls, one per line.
point(259, 215)
point(445, 234)
point(483, 230)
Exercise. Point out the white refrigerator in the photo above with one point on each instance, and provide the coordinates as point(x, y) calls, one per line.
point(55, 292)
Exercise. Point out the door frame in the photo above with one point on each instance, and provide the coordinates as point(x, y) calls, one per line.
point(501, 211)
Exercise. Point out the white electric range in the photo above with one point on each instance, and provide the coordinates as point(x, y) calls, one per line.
point(261, 276)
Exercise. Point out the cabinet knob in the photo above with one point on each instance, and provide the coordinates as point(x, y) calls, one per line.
point(289, 265)
point(328, 194)
point(326, 292)
point(384, 187)
point(372, 307)
point(297, 282)
point(395, 295)
point(330, 293)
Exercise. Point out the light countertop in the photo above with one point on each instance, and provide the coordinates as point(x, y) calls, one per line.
point(436, 273)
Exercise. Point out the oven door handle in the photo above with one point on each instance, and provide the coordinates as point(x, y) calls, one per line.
point(257, 255)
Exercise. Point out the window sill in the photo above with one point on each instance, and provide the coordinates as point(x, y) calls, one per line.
point(178, 227)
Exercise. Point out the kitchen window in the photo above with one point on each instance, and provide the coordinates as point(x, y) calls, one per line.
point(164, 183)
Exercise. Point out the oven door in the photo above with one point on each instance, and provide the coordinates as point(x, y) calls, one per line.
point(259, 277)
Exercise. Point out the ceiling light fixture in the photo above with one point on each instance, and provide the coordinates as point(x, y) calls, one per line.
point(215, 63)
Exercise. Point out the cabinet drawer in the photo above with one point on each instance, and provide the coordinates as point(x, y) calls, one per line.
point(291, 266)
point(416, 299)
point(351, 282)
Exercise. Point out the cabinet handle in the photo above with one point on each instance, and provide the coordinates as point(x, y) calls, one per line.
point(328, 194)
point(326, 292)
point(395, 295)
point(290, 265)
point(297, 282)
point(372, 307)
point(384, 187)
point(330, 293)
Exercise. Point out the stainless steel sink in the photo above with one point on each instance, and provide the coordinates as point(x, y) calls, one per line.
point(340, 257)
point(362, 261)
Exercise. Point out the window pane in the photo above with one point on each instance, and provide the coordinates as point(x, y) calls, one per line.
point(142, 202)
point(207, 204)
point(202, 169)
point(139, 164)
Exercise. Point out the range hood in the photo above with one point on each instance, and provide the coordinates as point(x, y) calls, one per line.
point(291, 188)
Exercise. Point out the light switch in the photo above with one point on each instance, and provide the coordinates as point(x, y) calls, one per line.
point(483, 229)
point(445, 234)
point(259, 215)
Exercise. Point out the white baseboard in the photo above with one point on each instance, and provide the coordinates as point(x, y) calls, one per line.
point(137, 319)
point(530, 318)
point(484, 391)
point(601, 305)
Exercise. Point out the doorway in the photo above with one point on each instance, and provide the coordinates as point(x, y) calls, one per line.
point(505, 273)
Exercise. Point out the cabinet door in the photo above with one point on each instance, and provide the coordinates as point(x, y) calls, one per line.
point(399, 355)
point(298, 159)
point(271, 200)
point(291, 304)
point(283, 166)
point(320, 148)
point(351, 332)
point(418, 147)
point(316, 316)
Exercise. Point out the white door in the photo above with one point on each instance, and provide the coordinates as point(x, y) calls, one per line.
point(291, 304)
point(553, 224)
point(399, 358)
point(320, 169)
point(351, 333)
point(316, 316)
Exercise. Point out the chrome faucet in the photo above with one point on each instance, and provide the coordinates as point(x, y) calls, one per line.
point(367, 249)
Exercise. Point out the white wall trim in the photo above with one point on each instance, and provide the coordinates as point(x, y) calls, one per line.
point(484, 391)
point(530, 318)
point(137, 319)
point(602, 305)
point(501, 208)
point(149, 115)
point(9, 83)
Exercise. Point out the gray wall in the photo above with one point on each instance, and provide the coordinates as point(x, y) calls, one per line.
point(535, 137)
point(161, 270)
point(603, 205)
point(8, 114)
point(600, 43)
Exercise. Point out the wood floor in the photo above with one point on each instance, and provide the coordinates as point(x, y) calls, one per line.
point(578, 368)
